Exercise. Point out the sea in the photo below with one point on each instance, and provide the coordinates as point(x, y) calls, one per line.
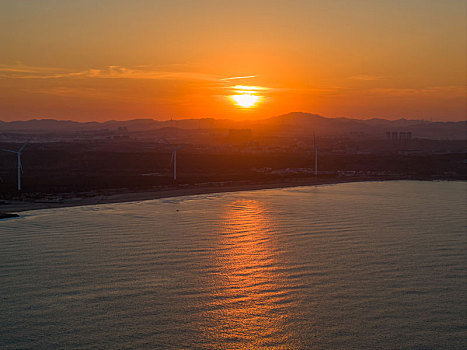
point(365, 265)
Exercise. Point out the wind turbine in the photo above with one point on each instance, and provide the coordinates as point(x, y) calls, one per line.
point(173, 160)
point(316, 154)
point(20, 167)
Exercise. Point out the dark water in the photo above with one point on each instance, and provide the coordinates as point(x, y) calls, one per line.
point(348, 266)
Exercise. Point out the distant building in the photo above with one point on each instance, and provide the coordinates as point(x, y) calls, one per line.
point(398, 137)
point(405, 136)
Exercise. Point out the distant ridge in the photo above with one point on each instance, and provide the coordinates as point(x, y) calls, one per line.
point(291, 124)
point(302, 123)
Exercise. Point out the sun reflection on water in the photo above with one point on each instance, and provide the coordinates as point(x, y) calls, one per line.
point(251, 304)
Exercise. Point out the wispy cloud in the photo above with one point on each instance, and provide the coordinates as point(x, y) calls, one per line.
point(244, 77)
point(249, 88)
point(20, 69)
point(110, 72)
point(449, 91)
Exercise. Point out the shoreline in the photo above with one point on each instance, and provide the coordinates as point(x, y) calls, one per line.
point(123, 196)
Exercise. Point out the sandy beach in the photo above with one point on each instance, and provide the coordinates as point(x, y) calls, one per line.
point(120, 196)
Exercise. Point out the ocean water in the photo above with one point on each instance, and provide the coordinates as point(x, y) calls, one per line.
point(377, 265)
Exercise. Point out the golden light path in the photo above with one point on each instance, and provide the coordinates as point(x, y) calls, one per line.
point(247, 96)
point(252, 298)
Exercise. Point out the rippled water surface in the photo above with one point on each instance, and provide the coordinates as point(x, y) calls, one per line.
point(350, 266)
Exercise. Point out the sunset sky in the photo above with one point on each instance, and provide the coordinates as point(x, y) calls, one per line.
point(100, 60)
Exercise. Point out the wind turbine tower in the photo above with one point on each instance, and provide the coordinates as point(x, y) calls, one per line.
point(316, 154)
point(20, 167)
point(173, 160)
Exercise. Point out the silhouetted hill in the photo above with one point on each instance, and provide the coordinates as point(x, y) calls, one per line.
point(57, 126)
point(298, 123)
point(291, 124)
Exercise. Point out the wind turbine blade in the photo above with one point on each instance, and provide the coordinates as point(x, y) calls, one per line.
point(22, 147)
point(172, 158)
point(167, 142)
point(7, 150)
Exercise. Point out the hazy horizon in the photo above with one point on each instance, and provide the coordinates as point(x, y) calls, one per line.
point(181, 118)
point(116, 60)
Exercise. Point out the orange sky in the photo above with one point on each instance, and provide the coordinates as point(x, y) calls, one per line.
point(101, 60)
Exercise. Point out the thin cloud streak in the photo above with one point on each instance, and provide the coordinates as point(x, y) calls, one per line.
point(448, 91)
point(21, 68)
point(111, 72)
point(249, 88)
point(244, 77)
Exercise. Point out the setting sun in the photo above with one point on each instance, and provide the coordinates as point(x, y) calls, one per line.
point(246, 96)
point(246, 100)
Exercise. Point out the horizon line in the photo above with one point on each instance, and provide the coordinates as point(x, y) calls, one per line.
point(39, 118)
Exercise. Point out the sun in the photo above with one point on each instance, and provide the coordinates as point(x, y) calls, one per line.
point(246, 100)
point(247, 96)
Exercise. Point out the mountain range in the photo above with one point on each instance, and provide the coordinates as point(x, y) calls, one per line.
point(291, 124)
